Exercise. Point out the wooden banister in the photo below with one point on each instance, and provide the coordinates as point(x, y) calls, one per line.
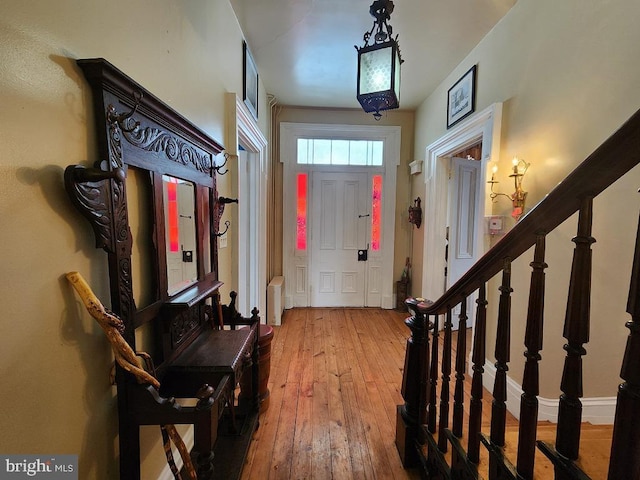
point(426, 428)
point(615, 157)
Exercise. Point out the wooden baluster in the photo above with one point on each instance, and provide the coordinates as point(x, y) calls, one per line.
point(625, 462)
point(425, 381)
point(414, 379)
point(433, 378)
point(531, 378)
point(478, 358)
point(503, 346)
point(444, 389)
point(461, 366)
point(576, 331)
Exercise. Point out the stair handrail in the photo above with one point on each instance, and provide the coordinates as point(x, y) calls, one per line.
point(613, 159)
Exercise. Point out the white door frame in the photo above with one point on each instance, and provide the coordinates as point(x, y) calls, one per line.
point(295, 264)
point(483, 126)
point(250, 259)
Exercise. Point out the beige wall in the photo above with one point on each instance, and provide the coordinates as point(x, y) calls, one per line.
point(568, 75)
point(401, 118)
point(54, 359)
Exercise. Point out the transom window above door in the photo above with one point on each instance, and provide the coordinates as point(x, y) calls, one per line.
point(321, 151)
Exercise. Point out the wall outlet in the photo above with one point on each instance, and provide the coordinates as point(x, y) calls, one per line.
point(223, 241)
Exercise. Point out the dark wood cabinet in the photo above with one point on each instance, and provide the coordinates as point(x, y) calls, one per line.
point(200, 348)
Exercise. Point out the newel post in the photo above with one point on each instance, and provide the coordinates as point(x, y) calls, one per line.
point(415, 381)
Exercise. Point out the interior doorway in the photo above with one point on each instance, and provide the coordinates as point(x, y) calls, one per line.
point(482, 128)
point(248, 145)
point(248, 183)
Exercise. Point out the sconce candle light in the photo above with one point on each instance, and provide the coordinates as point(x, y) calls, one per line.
point(415, 213)
point(519, 196)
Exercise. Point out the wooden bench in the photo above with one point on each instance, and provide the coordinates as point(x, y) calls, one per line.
point(155, 163)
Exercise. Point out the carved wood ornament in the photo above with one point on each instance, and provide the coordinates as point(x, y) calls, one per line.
point(136, 130)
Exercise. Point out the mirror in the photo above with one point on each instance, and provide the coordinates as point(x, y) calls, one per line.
point(180, 233)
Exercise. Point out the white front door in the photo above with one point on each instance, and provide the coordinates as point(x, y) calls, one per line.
point(339, 232)
point(464, 202)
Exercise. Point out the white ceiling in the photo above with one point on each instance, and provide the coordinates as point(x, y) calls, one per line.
point(305, 49)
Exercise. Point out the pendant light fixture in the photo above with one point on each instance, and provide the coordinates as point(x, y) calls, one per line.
point(379, 63)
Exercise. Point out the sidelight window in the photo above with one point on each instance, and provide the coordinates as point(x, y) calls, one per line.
point(301, 220)
point(376, 212)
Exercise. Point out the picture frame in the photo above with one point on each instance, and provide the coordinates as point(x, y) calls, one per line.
point(461, 98)
point(249, 81)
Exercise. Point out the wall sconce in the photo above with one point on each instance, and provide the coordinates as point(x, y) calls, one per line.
point(415, 213)
point(518, 197)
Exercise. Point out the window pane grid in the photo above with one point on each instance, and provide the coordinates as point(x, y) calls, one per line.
point(320, 151)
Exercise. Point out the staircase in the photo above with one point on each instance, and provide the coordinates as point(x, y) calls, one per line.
point(440, 431)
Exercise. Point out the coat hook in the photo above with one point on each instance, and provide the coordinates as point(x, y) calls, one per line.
point(122, 118)
point(220, 167)
point(226, 224)
point(220, 203)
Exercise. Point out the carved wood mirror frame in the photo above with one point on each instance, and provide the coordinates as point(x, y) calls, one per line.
point(136, 129)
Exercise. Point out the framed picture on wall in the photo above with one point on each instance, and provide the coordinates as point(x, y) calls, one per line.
point(461, 100)
point(250, 82)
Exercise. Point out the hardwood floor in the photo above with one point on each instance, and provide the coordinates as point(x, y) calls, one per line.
point(335, 383)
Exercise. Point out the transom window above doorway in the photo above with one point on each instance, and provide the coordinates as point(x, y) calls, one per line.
point(320, 151)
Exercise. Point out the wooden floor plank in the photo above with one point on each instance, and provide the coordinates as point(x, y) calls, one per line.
point(335, 382)
point(340, 450)
point(361, 464)
point(262, 447)
point(321, 440)
point(356, 330)
point(303, 434)
point(319, 349)
point(280, 462)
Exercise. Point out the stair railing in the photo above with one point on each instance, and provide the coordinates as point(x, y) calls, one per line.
point(423, 437)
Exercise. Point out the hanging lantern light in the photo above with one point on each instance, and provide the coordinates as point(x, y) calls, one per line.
point(379, 63)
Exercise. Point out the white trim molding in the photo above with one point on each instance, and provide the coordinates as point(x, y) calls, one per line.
point(595, 410)
point(482, 126)
point(249, 263)
point(415, 167)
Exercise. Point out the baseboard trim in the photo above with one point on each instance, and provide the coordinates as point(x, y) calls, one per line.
point(388, 302)
point(595, 410)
